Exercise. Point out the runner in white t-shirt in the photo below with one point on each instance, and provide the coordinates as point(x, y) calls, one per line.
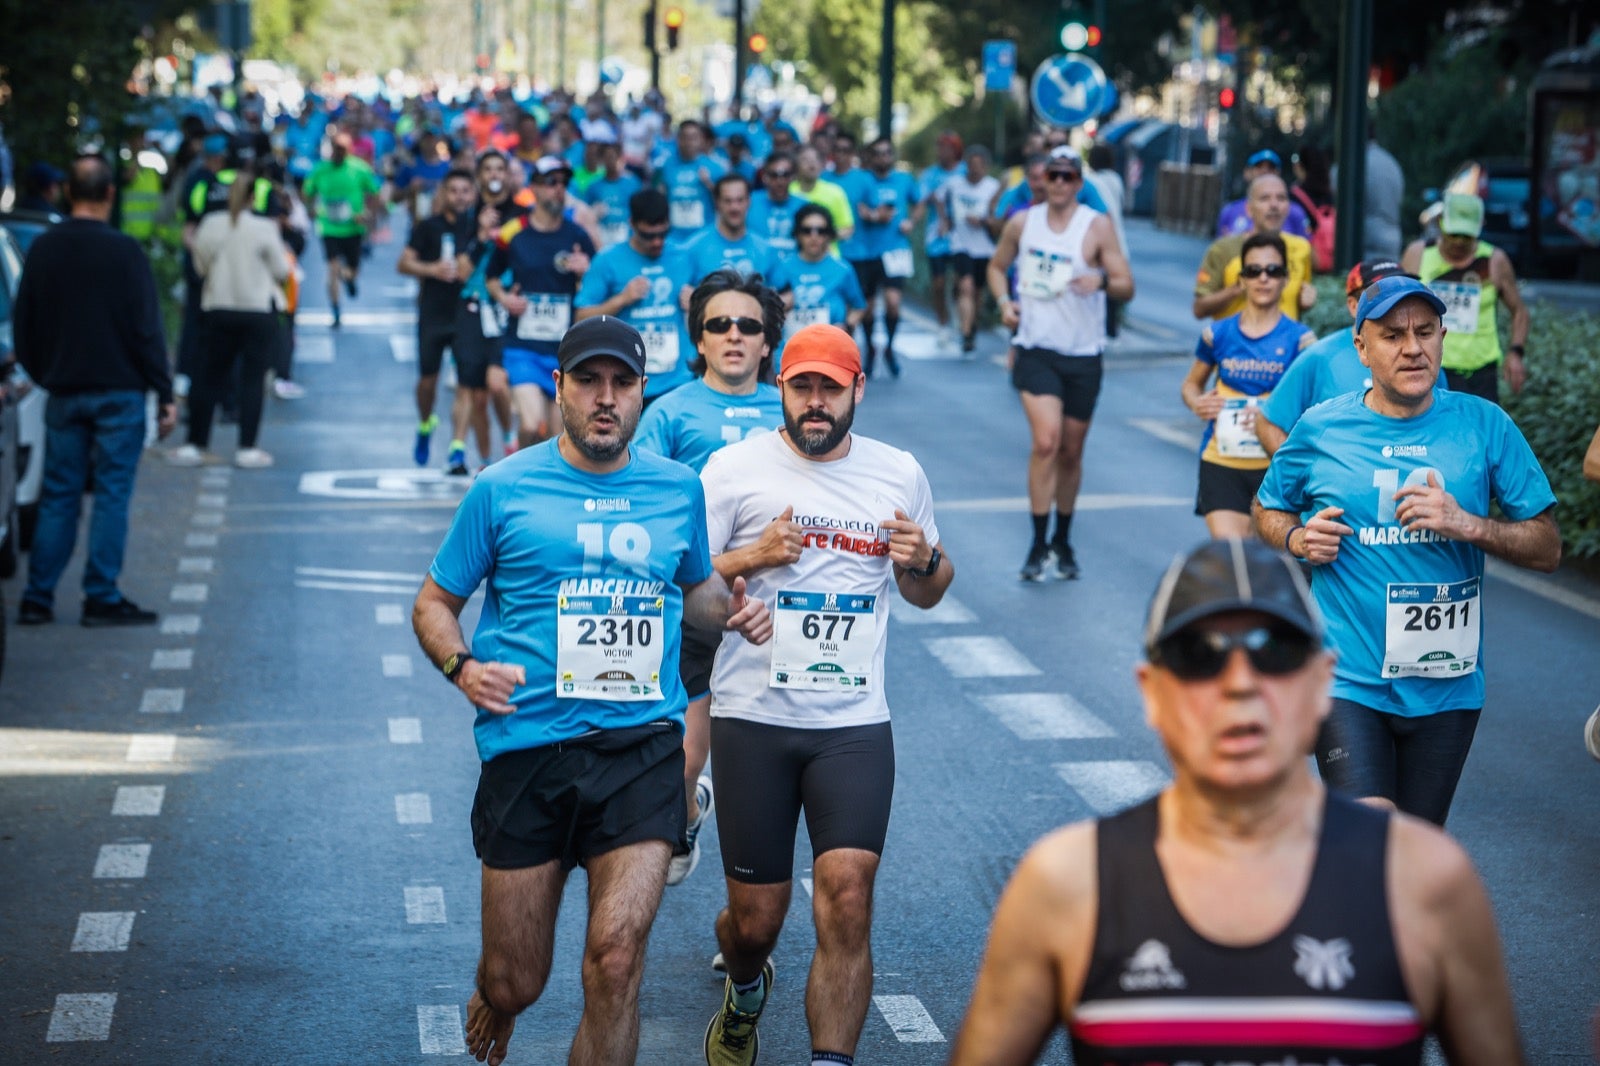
point(965, 205)
point(820, 523)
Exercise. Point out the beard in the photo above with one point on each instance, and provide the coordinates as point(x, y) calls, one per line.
point(595, 447)
point(819, 441)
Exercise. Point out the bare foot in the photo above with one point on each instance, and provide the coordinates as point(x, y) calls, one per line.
point(488, 1030)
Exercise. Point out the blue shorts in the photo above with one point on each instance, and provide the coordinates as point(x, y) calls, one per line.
point(530, 368)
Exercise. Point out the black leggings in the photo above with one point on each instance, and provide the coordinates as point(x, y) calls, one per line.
point(1413, 763)
point(250, 338)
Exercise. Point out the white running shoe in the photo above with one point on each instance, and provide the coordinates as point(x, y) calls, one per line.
point(1591, 734)
point(284, 389)
point(683, 865)
point(252, 459)
point(947, 338)
point(186, 455)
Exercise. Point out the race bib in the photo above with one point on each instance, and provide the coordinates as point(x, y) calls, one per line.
point(1236, 434)
point(823, 640)
point(546, 318)
point(1461, 303)
point(1431, 630)
point(613, 233)
point(801, 317)
point(1043, 275)
point(660, 349)
point(687, 214)
point(609, 647)
point(338, 211)
point(898, 263)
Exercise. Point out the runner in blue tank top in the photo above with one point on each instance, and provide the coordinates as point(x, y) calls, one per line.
point(1398, 480)
point(1246, 914)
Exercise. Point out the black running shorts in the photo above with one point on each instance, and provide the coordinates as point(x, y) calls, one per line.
point(765, 775)
point(1413, 763)
point(474, 352)
point(346, 248)
point(581, 798)
point(697, 654)
point(433, 337)
point(1073, 379)
point(1226, 488)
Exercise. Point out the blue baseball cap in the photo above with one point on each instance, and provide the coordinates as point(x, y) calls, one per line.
point(1266, 155)
point(1381, 296)
point(215, 144)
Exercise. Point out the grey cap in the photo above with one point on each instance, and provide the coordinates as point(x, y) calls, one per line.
point(601, 335)
point(1230, 575)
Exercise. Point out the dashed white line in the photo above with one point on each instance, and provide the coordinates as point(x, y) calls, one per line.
point(910, 1020)
point(439, 1030)
point(313, 349)
point(413, 808)
point(200, 540)
point(397, 666)
point(195, 593)
point(103, 931)
point(122, 862)
point(211, 499)
point(947, 612)
point(981, 657)
point(1113, 784)
point(358, 575)
point(403, 347)
point(138, 801)
point(152, 747)
point(172, 659)
point(180, 625)
point(389, 614)
point(424, 905)
point(807, 884)
point(1046, 716)
point(161, 701)
point(405, 731)
point(208, 518)
point(348, 586)
point(83, 1016)
point(196, 564)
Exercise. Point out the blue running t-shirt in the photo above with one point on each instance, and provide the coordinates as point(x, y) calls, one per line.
point(658, 317)
point(696, 420)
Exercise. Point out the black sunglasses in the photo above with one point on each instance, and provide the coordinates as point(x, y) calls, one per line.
point(814, 231)
point(548, 180)
point(1255, 270)
point(652, 234)
point(1201, 654)
point(780, 175)
point(750, 327)
point(1062, 175)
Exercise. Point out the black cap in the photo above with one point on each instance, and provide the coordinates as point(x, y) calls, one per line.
point(1230, 575)
point(602, 335)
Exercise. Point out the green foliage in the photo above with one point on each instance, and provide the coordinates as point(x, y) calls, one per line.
point(1329, 314)
point(975, 123)
point(1557, 411)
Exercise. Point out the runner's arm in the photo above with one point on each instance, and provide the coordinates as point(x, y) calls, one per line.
point(1591, 458)
point(1534, 542)
point(436, 617)
point(713, 606)
point(925, 592)
point(1270, 436)
point(1005, 253)
point(1119, 276)
point(1504, 277)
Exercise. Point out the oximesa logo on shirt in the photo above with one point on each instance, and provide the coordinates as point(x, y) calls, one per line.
point(615, 503)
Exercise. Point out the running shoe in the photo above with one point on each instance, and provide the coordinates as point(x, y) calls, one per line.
point(1033, 566)
point(186, 455)
point(458, 460)
point(969, 346)
point(683, 865)
point(350, 286)
point(252, 459)
point(947, 337)
point(891, 362)
point(1591, 734)
point(424, 439)
point(731, 1038)
point(1066, 562)
point(284, 389)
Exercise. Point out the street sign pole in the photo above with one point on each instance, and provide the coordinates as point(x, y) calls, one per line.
point(738, 59)
point(1355, 57)
point(886, 72)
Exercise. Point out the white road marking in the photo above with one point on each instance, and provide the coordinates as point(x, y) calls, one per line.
point(122, 862)
point(439, 1030)
point(196, 593)
point(152, 747)
point(1046, 716)
point(947, 612)
point(218, 478)
point(172, 659)
point(1542, 586)
point(413, 808)
point(358, 575)
point(402, 484)
point(208, 518)
point(138, 801)
point(909, 1019)
point(981, 657)
point(211, 499)
point(807, 884)
point(403, 346)
point(82, 1016)
point(346, 586)
point(180, 625)
point(1113, 784)
point(405, 731)
point(161, 701)
point(397, 666)
point(196, 564)
point(314, 349)
point(1183, 438)
point(103, 931)
point(200, 540)
point(424, 905)
point(389, 614)
point(1089, 501)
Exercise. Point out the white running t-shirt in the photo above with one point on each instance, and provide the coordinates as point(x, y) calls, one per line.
point(823, 669)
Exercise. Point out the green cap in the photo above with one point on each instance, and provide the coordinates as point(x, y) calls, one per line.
point(1463, 215)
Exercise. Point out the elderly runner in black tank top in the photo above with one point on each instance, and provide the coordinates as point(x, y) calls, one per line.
point(1245, 914)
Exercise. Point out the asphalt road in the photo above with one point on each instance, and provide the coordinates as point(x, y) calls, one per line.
point(243, 836)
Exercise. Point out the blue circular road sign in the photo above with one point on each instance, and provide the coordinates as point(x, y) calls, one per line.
point(1068, 90)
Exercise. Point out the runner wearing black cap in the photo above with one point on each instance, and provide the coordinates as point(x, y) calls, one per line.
point(1246, 914)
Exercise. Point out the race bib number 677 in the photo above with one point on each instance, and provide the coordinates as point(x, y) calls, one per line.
point(823, 640)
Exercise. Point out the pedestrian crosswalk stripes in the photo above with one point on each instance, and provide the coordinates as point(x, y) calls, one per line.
point(1046, 716)
point(1112, 784)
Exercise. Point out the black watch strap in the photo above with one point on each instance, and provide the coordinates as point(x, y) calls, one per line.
point(933, 565)
point(453, 665)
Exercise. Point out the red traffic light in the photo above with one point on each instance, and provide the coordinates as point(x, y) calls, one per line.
point(1093, 37)
point(1225, 98)
point(673, 18)
point(758, 43)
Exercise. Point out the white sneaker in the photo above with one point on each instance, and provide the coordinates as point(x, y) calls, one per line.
point(180, 386)
point(284, 389)
point(252, 459)
point(186, 455)
point(1591, 734)
point(683, 865)
point(947, 337)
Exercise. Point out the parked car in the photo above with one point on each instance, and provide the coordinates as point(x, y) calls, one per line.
point(25, 226)
point(10, 465)
point(30, 398)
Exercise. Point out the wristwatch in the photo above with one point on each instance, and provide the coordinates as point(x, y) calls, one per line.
point(932, 567)
point(451, 667)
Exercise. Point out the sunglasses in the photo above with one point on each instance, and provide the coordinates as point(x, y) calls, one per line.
point(750, 327)
point(1255, 270)
point(814, 231)
point(652, 234)
point(1062, 175)
point(779, 175)
point(549, 180)
point(1201, 654)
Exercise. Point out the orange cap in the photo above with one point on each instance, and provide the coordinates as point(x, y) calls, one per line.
point(822, 349)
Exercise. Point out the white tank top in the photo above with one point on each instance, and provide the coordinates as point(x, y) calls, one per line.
point(1053, 316)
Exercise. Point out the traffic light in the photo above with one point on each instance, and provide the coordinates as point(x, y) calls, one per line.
point(1078, 30)
point(758, 43)
point(674, 22)
point(1225, 98)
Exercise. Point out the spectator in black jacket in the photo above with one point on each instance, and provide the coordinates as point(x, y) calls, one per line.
point(88, 329)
